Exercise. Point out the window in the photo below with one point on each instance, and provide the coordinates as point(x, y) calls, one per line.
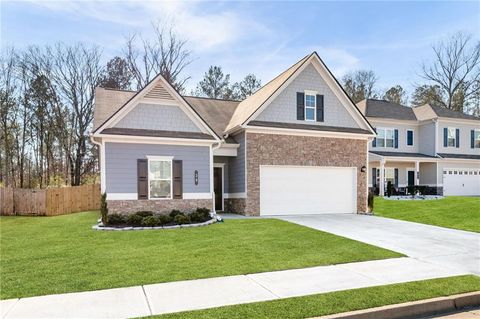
point(310, 107)
point(159, 177)
point(451, 137)
point(385, 137)
point(476, 139)
point(409, 137)
point(389, 176)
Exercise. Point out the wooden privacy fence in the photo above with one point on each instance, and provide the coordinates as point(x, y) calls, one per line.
point(50, 201)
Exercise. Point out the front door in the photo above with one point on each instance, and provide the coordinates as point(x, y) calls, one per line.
point(218, 187)
point(411, 178)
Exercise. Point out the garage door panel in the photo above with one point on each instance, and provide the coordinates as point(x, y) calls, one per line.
point(288, 190)
point(461, 182)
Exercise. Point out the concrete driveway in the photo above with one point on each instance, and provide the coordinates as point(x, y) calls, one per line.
point(455, 249)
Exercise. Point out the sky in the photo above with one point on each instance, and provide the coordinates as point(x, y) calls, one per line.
point(263, 38)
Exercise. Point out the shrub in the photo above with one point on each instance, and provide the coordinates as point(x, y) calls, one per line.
point(200, 215)
point(134, 220)
point(104, 208)
point(116, 219)
point(411, 190)
point(370, 200)
point(389, 188)
point(144, 213)
point(165, 219)
point(174, 213)
point(204, 212)
point(151, 221)
point(182, 219)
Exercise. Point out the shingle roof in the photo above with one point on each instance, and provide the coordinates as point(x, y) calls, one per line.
point(107, 102)
point(310, 127)
point(461, 156)
point(402, 154)
point(155, 133)
point(386, 109)
point(248, 106)
point(443, 112)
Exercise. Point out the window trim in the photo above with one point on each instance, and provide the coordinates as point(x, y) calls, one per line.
point(454, 136)
point(413, 138)
point(385, 138)
point(164, 159)
point(314, 94)
point(475, 131)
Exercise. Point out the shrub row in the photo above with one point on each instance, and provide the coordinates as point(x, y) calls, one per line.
point(151, 219)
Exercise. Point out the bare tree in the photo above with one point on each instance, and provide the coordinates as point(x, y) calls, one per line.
point(455, 69)
point(360, 85)
point(166, 54)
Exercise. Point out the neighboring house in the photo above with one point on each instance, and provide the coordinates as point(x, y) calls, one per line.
point(298, 145)
point(426, 146)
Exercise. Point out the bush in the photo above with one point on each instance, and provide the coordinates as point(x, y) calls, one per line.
point(165, 219)
point(116, 219)
point(370, 200)
point(389, 188)
point(182, 219)
point(151, 221)
point(411, 190)
point(144, 213)
point(204, 212)
point(174, 213)
point(200, 215)
point(134, 220)
point(104, 208)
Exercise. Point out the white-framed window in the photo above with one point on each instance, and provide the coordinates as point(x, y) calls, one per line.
point(160, 177)
point(410, 138)
point(389, 176)
point(385, 137)
point(310, 106)
point(476, 139)
point(451, 137)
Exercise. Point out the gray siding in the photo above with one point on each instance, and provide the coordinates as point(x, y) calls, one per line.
point(121, 165)
point(465, 147)
point(428, 174)
point(224, 160)
point(284, 108)
point(237, 167)
point(402, 137)
point(427, 138)
point(158, 117)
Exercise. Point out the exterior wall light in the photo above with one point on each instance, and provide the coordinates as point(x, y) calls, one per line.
point(363, 169)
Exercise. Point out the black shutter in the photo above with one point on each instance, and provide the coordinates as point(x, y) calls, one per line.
point(396, 138)
point(177, 179)
point(142, 178)
point(472, 138)
point(300, 106)
point(396, 177)
point(374, 142)
point(374, 177)
point(457, 138)
point(320, 108)
point(445, 137)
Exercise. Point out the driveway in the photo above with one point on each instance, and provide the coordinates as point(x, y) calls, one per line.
point(455, 249)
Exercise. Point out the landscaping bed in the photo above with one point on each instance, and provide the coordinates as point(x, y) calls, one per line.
point(150, 220)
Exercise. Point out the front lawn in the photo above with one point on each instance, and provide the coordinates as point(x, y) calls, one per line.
point(452, 212)
point(339, 301)
point(47, 255)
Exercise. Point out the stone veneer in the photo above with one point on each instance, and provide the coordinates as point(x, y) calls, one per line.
point(160, 206)
point(274, 149)
point(235, 205)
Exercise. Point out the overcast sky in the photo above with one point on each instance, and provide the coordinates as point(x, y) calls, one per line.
point(264, 38)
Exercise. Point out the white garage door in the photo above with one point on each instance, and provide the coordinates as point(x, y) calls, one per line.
point(461, 182)
point(291, 190)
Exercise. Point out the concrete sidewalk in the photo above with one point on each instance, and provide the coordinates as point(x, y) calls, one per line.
point(214, 292)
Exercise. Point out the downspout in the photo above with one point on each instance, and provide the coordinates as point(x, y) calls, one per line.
point(92, 139)
point(217, 146)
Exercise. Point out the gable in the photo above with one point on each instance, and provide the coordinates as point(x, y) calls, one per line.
point(282, 109)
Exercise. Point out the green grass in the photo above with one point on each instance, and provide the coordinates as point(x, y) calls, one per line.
point(340, 301)
point(452, 212)
point(46, 255)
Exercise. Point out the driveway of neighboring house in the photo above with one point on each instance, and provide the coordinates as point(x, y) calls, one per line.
point(455, 249)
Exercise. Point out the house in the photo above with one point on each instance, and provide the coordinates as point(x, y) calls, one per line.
point(427, 146)
point(298, 145)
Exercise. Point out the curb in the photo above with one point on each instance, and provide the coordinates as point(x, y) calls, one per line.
point(421, 308)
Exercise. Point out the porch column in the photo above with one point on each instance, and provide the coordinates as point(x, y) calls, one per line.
point(381, 191)
point(417, 173)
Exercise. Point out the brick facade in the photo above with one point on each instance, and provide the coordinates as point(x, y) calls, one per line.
point(160, 206)
point(273, 149)
point(235, 205)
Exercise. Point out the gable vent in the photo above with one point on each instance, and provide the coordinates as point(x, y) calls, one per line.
point(159, 92)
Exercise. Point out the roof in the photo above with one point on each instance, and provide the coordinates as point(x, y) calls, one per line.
point(310, 127)
point(402, 154)
point(460, 156)
point(248, 106)
point(110, 100)
point(443, 112)
point(155, 133)
point(386, 109)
